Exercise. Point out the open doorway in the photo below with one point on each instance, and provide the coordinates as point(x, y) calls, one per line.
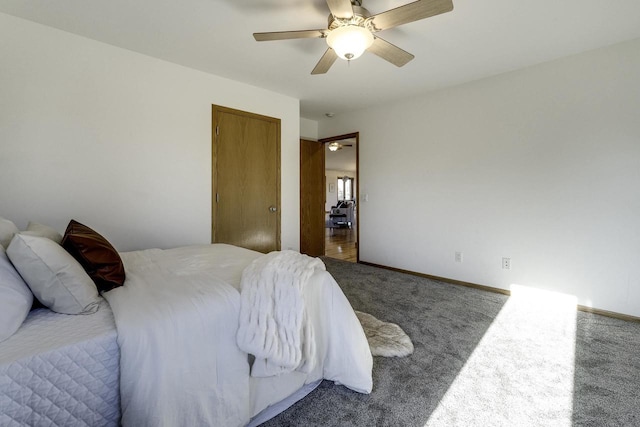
point(341, 187)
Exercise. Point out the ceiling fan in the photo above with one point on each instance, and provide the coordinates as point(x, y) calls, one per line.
point(351, 30)
point(335, 146)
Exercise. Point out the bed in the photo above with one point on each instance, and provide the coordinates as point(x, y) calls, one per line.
point(157, 354)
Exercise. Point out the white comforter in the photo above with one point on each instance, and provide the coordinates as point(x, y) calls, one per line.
point(177, 319)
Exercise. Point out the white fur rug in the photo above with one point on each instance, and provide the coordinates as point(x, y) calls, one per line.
point(385, 339)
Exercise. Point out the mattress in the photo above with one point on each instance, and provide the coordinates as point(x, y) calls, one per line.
point(61, 370)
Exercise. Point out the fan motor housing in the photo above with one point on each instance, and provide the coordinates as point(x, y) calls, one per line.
point(360, 15)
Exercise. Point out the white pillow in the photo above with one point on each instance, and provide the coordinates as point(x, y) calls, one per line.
point(36, 229)
point(55, 277)
point(7, 231)
point(15, 298)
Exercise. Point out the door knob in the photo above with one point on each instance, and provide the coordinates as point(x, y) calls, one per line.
point(273, 209)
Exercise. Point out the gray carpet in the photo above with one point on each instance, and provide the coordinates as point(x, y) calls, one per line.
point(481, 359)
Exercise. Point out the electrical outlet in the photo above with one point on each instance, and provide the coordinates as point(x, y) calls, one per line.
point(506, 263)
point(458, 256)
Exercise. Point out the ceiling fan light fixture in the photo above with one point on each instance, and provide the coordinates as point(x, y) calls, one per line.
point(349, 41)
point(334, 146)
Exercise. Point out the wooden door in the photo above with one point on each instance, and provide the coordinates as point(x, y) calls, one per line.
point(246, 180)
point(312, 198)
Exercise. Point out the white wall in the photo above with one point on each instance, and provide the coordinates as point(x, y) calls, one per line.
point(541, 165)
point(119, 140)
point(308, 129)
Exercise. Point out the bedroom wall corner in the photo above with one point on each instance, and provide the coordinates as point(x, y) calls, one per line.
point(539, 165)
point(120, 140)
point(308, 129)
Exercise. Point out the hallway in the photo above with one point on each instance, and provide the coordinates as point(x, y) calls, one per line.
point(340, 243)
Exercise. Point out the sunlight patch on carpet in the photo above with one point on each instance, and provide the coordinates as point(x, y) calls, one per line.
point(534, 385)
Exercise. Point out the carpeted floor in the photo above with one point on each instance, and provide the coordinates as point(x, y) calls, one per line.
point(481, 359)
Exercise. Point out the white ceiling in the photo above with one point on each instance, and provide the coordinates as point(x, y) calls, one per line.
point(477, 39)
point(341, 160)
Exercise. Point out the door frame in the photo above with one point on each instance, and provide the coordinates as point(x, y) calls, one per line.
point(215, 112)
point(356, 136)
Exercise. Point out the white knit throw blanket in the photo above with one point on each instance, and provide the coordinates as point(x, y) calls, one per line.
point(273, 320)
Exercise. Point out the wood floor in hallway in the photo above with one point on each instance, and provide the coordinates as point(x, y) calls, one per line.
point(340, 243)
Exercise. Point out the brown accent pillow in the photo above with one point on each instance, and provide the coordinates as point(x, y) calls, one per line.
point(96, 255)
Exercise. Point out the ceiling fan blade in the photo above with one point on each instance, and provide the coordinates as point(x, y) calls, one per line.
point(325, 62)
point(286, 35)
point(341, 8)
point(410, 12)
point(390, 52)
